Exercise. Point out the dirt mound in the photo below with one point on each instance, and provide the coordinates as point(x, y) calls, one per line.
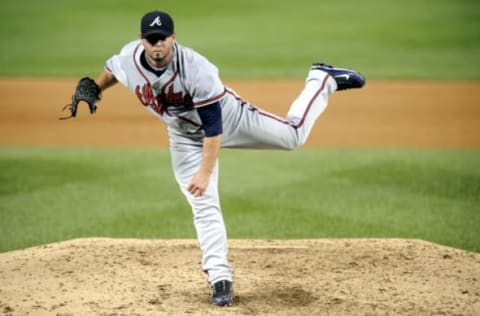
point(291, 277)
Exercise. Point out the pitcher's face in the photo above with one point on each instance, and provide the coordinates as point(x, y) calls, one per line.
point(159, 49)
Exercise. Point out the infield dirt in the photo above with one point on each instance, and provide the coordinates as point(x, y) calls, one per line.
point(383, 114)
point(290, 277)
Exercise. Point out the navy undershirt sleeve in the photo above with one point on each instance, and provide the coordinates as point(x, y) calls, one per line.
point(211, 117)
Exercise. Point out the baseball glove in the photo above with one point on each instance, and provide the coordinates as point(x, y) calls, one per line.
point(87, 90)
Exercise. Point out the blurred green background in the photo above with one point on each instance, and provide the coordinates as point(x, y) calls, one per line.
point(52, 194)
point(410, 39)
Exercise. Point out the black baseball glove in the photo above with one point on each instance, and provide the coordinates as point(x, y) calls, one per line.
point(87, 90)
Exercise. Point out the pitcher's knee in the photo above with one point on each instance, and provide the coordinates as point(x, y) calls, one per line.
point(297, 138)
point(295, 144)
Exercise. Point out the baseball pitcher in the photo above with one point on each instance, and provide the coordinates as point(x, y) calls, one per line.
point(183, 89)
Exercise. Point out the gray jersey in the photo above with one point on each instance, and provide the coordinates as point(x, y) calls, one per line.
point(190, 81)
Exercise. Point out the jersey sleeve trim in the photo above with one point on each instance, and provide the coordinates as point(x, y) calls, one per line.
point(211, 100)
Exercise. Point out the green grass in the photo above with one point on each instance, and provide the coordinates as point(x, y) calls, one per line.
point(410, 39)
point(54, 194)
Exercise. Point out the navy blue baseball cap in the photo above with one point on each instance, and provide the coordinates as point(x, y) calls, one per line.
point(156, 22)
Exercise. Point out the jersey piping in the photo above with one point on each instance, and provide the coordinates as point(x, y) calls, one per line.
point(302, 120)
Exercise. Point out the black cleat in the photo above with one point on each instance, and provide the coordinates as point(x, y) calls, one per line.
point(222, 293)
point(345, 78)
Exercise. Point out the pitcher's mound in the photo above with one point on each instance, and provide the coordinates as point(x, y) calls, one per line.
point(290, 277)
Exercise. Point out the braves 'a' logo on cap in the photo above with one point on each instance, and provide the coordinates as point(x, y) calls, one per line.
point(156, 22)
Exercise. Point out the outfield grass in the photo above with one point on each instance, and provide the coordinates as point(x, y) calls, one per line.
point(385, 39)
point(54, 194)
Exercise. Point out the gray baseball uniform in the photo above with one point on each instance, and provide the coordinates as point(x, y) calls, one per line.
point(175, 96)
